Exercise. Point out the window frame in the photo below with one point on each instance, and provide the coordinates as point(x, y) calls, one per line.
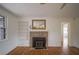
point(3, 29)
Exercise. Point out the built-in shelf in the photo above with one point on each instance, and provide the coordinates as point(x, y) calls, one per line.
point(23, 29)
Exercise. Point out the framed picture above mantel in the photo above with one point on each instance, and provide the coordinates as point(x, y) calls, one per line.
point(39, 24)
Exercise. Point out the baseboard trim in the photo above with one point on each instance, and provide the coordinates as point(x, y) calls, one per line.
point(47, 47)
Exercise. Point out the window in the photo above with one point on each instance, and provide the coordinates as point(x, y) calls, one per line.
point(2, 28)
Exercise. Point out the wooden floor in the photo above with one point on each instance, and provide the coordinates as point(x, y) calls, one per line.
point(49, 51)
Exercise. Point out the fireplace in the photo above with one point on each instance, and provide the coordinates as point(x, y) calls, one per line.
point(39, 39)
point(39, 42)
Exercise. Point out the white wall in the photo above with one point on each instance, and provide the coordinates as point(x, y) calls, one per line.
point(10, 42)
point(75, 32)
point(53, 28)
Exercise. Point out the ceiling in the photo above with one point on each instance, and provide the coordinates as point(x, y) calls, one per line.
point(47, 9)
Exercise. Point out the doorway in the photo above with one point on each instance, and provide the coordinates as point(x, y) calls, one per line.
point(65, 35)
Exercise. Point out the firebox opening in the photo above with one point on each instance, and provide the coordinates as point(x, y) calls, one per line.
point(39, 42)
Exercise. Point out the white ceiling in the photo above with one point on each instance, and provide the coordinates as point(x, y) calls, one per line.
point(48, 9)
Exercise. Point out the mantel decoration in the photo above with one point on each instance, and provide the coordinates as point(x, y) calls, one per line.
point(39, 24)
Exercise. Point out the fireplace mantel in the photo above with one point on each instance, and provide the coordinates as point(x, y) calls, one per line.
point(38, 34)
